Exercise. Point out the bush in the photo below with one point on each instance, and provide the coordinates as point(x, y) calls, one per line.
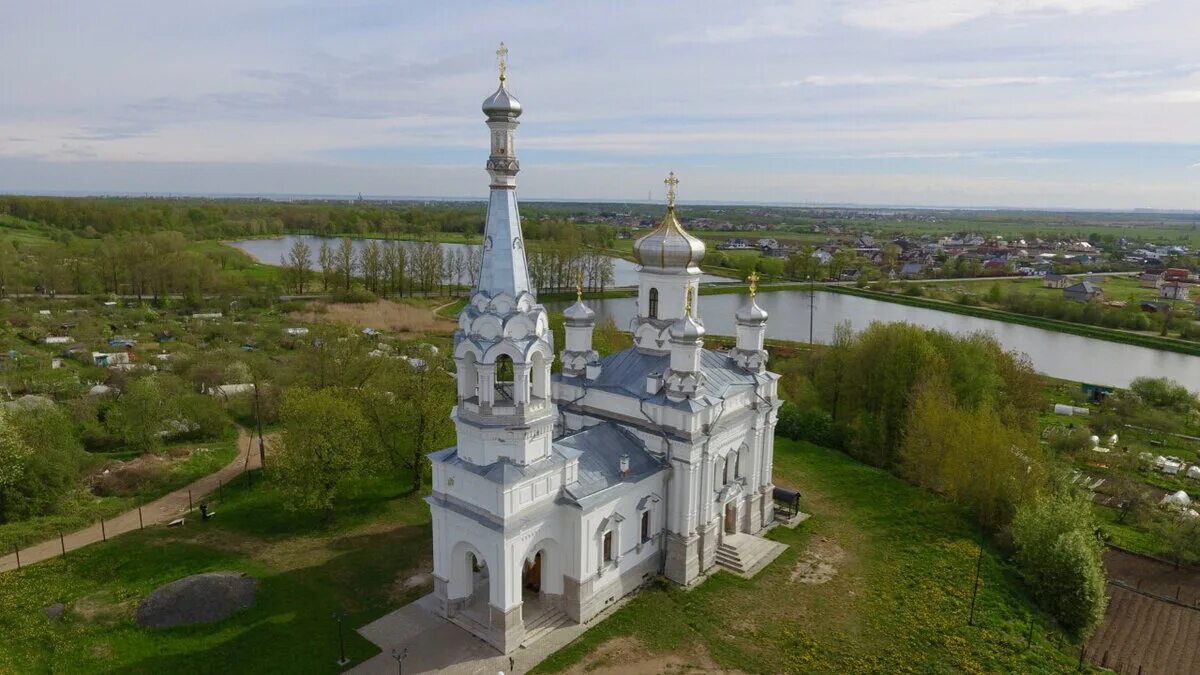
point(355, 296)
point(808, 424)
point(1059, 556)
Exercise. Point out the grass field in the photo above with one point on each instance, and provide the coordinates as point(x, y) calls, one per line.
point(898, 601)
point(307, 572)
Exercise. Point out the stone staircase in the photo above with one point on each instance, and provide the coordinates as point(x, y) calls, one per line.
point(543, 625)
point(745, 554)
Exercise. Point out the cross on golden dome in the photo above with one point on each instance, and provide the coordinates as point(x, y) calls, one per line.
point(671, 182)
point(753, 279)
point(502, 55)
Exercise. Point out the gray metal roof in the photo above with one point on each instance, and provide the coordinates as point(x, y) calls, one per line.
point(627, 370)
point(503, 268)
point(599, 449)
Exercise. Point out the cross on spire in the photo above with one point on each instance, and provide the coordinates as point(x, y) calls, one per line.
point(753, 279)
point(502, 56)
point(579, 286)
point(671, 182)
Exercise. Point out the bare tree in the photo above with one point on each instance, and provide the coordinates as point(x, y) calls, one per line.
point(328, 263)
point(298, 264)
point(344, 262)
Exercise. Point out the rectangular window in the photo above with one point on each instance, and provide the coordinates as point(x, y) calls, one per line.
point(608, 552)
point(646, 525)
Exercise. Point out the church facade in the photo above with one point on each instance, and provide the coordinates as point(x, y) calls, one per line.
point(566, 492)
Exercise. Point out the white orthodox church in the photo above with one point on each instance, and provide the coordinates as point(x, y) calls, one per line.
point(567, 492)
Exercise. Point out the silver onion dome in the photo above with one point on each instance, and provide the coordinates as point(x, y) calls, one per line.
point(669, 247)
point(579, 312)
point(502, 104)
point(751, 313)
point(687, 329)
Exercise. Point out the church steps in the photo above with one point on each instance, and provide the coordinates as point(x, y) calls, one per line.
point(745, 554)
point(544, 625)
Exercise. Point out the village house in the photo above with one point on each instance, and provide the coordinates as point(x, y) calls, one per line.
point(1173, 290)
point(1150, 280)
point(1056, 281)
point(1083, 292)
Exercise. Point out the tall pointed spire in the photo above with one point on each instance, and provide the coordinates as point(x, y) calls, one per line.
point(504, 268)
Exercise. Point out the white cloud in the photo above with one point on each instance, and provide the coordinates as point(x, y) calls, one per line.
point(918, 16)
point(789, 20)
point(917, 81)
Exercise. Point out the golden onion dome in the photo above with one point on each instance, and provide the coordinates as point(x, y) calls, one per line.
point(668, 247)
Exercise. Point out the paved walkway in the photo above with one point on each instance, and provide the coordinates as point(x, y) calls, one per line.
point(162, 510)
point(435, 645)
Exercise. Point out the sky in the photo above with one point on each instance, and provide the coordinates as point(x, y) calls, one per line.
point(1013, 103)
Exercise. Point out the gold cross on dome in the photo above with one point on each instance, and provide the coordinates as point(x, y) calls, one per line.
point(579, 286)
point(502, 55)
point(671, 182)
point(753, 279)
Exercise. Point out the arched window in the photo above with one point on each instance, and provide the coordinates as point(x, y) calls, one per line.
point(653, 303)
point(504, 378)
point(726, 472)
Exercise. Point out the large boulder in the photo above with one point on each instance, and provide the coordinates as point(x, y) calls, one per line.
point(200, 598)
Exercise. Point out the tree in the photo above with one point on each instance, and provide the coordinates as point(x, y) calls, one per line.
point(1059, 555)
point(343, 262)
point(143, 412)
point(328, 263)
point(40, 460)
point(322, 448)
point(408, 411)
point(298, 264)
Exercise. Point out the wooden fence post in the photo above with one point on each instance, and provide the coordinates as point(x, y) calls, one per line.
point(62, 542)
point(103, 532)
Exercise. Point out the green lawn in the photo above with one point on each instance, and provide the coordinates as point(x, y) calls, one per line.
point(307, 572)
point(898, 603)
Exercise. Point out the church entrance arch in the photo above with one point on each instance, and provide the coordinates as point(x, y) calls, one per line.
point(469, 586)
point(730, 518)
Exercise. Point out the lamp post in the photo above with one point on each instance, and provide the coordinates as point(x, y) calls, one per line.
point(339, 617)
point(400, 655)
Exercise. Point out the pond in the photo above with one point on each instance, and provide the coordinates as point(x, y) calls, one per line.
point(271, 251)
point(1062, 355)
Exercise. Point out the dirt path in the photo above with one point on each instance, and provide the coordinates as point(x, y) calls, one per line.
point(160, 511)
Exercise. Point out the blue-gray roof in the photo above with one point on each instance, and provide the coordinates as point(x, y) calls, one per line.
point(599, 449)
point(627, 370)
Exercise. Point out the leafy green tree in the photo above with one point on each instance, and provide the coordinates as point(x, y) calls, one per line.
point(322, 447)
point(408, 410)
point(1059, 555)
point(144, 409)
point(40, 460)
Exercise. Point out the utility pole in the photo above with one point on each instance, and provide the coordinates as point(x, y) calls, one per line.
point(975, 586)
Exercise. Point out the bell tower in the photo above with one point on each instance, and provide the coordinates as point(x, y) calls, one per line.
point(670, 274)
point(503, 347)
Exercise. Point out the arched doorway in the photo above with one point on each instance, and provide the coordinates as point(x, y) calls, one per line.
point(730, 518)
point(531, 577)
point(470, 584)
